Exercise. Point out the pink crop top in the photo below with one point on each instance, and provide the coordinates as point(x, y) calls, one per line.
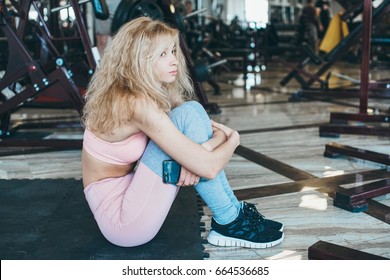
point(122, 153)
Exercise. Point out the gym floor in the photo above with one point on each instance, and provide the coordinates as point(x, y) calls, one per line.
point(280, 167)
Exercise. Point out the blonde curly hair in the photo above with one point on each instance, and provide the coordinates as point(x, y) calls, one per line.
point(126, 74)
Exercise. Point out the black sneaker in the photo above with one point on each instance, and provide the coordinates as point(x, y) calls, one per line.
point(243, 232)
point(251, 211)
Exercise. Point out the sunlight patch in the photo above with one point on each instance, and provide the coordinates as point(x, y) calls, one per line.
point(312, 201)
point(286, 254)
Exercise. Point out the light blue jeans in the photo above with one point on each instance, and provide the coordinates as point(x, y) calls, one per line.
point(193, 121)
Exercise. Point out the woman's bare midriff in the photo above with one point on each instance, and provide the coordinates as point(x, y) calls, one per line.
point(95, 170)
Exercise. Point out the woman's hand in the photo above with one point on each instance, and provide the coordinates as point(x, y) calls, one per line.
point(227, 130)
point(187, 178)
point(196, 158)
point(230, 133)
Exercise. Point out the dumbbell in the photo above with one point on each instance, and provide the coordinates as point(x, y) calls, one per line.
point(202, 71)
point(99, 7)
point(180, 19)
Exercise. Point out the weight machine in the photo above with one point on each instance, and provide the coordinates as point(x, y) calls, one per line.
point(356, 199)
point(28, 78)
point(377, 89)
point(306, 79)
point(339, 121)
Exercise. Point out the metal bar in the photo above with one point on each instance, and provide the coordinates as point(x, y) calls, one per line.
point(333, 149)
point(326, 184)
point(365, 66)
point(378, 210)
point(334, 130)
point(57, 143)
point(294, 72)
point(84, 35)
point(323, 250)
point(215, 64)
point(272, 164)
point(352, 38)
point(345, 77)
point(335, 117)
point(374, 92)
point(363, 192)
point(300, 70)
point(195, 13)
point(68, 6)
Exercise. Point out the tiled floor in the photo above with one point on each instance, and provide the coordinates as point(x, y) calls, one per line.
point(278, 130)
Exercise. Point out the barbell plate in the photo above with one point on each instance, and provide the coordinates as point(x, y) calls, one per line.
point(128, 10)
point(146, 8)
point(120, 16)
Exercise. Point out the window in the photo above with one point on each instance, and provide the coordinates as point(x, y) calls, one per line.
point(256, 11)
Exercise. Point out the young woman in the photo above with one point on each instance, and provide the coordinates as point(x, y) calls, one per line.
point(136, 117)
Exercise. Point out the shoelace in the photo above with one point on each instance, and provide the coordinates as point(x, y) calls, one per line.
point(253, 210)
point(254, 216)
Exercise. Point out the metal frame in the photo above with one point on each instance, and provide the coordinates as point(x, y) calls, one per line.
point(323, 250)
point(355, 199)
point(335, 128)
point(39, 81)
point(333, 150)
point(377, 89)
point(329, 185)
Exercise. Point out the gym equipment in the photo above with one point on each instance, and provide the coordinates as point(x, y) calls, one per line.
point(355, 199)
point(26, 79)
point(323, 250)
point(335, 54)
point(99, 6)
point(240, 56)
point(130, 9)
point(375, 89)
point(337, 30)
point(333, 150)
point(196, 38)
point(181, 20)
point(212, 58)
point(203, 71)
point(330, 185)
point(46, 28)
point(335, 128)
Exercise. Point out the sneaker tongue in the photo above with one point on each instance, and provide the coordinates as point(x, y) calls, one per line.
point(252, 210)
point(254, 220)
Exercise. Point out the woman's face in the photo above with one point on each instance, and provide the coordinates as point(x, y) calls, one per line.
point(166, 64)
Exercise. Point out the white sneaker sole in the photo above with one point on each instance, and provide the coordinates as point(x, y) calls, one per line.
point(224, 241)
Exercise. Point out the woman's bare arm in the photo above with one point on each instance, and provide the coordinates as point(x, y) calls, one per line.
point(215, 141)
point(190, 179)
point(187, 153)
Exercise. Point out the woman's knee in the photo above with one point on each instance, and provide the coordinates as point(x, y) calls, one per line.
point(188, 109)
point(190, 117)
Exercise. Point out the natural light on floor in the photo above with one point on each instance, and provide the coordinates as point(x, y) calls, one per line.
point(312, 201)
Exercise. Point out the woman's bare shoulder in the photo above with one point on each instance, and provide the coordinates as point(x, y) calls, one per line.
point(146, 113)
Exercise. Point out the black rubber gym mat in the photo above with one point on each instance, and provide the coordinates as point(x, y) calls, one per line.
point(50, 219)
